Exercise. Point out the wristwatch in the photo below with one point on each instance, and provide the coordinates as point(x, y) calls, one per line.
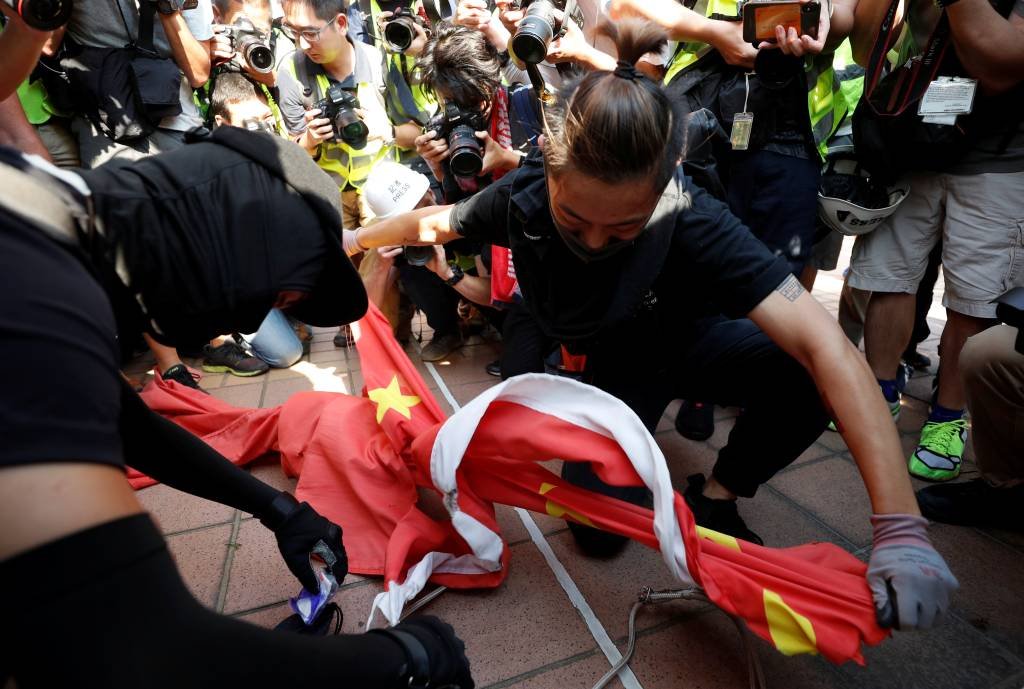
point(456, 277)
point(173, 6)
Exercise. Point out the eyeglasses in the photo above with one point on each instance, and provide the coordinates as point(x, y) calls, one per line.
point(308, 34)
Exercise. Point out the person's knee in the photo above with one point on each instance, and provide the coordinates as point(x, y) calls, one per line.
point(989, 354)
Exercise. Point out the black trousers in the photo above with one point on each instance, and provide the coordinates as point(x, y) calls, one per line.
point(438, 302)
point(730, 363)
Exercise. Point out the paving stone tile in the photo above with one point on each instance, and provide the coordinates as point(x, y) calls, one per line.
point(200, 557)
point(460, 370)
point(176, 511)
point(332, 355)
point(240, 395)
point(283, 373)
point(705, 652)
point(815, 452)
point(228, 380)
point(919, 387)
point(991, 575)
point(954, 655)
point(913, 414)
point(525, 623)
point(463, 394)
point(720, 437)
point(584, 672)
point(668, 419)
point(781, 525)
point(278, 391)
point(258, 574)
point(610, 586)
point(832, 491)
point(832, 440)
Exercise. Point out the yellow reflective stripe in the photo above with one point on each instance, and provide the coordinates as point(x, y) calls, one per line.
point(719, 538)
point(692, 51)
point(791, 632)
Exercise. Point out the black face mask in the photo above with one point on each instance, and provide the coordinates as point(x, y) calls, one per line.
point(587, 254)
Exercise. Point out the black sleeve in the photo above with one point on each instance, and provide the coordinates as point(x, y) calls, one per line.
point(167, 452)
point(59, 395)
point(483, 217)
point(739, 270)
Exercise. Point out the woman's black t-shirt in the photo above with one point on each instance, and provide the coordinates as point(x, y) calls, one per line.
point(60, 396)
point(694, 260)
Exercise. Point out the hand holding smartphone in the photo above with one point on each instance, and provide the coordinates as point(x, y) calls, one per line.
point(760, 17)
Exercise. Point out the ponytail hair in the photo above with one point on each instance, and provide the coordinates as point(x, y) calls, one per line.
point(617, 126)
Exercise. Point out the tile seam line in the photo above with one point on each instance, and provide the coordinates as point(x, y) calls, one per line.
point(565, 580)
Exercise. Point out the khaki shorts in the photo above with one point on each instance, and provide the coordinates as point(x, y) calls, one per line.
point(980, 220)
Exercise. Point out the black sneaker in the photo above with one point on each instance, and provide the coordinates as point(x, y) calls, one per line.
point(230, 358)
point(591, 541)
point(916, 360)
point(179, 373)
point(344, 337)
point(717, 515)
point(974, 503)
point(494, 368)
point(696, 420)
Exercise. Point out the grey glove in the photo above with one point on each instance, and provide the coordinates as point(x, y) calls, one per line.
point(909, 580)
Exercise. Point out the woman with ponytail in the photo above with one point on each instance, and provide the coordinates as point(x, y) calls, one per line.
point(650, 289)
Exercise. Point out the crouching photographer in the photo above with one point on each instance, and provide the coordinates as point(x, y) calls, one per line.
point(184, 245)
point(482, 128)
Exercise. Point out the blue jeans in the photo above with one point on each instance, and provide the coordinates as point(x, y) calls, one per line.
point(276, 342)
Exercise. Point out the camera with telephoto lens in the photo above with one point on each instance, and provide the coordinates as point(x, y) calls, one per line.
point(539, 26)
point(459, 127)
point(249, 42)
point(339, 106)
point(44, 15)
point(400, 27)
point(417, 255)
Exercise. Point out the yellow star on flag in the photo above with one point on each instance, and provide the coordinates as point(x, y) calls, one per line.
point(391, 398)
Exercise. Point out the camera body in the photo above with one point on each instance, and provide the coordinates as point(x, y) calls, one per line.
point(43, 15)
point(339, 106)
point(249, 42)
point(539, 26)
point(399, 28)
point(172, 6)
point(459, 126)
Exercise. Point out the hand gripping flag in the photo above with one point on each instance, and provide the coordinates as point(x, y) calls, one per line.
point(360, 462)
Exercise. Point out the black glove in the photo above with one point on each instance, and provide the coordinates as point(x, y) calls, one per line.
point(435, 657)
point(299, 530)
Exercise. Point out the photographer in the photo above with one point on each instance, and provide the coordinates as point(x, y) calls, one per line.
point(147, 245)
point(244, 40)
point(328, 58)
point(965, 182)
point(626, 264)
point(179, 35)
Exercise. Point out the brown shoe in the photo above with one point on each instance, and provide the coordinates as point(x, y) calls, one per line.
point(441, 346)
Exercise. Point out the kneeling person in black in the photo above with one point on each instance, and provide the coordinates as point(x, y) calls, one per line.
point(620, 258)
point(184, 245)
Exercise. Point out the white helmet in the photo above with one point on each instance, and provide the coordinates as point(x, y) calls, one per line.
point(850, 203)
point(393, 189)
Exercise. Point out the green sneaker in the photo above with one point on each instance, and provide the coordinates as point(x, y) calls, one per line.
point(940, 452)
point(894, 409)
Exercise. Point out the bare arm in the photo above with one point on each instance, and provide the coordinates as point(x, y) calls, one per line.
point(867, 18)
point(405, 135)
point(15, 130)
point(842, 22)
point(990, 47)
point(191, 56)
point(430, 225)
point(805, 331)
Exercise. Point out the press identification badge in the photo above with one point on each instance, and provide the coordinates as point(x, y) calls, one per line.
point(742, 125)
point(948, 96)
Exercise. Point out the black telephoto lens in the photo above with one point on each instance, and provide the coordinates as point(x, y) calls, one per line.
point(44, 15)
point(417, 255)
point(466, 154)
point(350, 128)
point(399, 33)
point(257, 54)
point(535, 32)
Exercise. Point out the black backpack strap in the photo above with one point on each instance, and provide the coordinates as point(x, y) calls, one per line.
point(147, 13)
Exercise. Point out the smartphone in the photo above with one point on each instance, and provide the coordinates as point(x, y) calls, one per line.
point(760, 17)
